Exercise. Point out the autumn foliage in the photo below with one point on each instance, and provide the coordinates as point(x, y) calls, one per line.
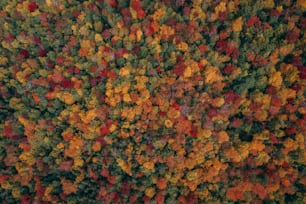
point(167, 101)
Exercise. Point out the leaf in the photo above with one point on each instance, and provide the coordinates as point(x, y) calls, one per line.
point(237, 24)
point(149, 165)
point(75, 147)
point(234, 194)
point(57, 77)
point(208, 147)
point(67, 98)
point(83, 52)
point(35, 98)
point(233, 155)
point(190, 163)
point(183, 126)
point(8, 131)
point(105, 172)
point(66, 165)
point(168, 123)
point(68, 187)
point(161, 183)
point(257, 146)
point(3, 178)
point(285, 94)
point(78, 162)
point(223, 137)
point(67, 84)
point(212, 74)
point(32, 6)
point(96, 146)
point(259, 190)
point(290, 144)
point(160, 197)
point(252, 21)
point(179, 69)
point(150, 192)
point(187, 72)
point(173, 113)
point(272, 187)
point(261, 115)
point(125, 166)
point(262, 158)
point(10, 159)
point(275, 79)
point(204, 133)
point(192, 185)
